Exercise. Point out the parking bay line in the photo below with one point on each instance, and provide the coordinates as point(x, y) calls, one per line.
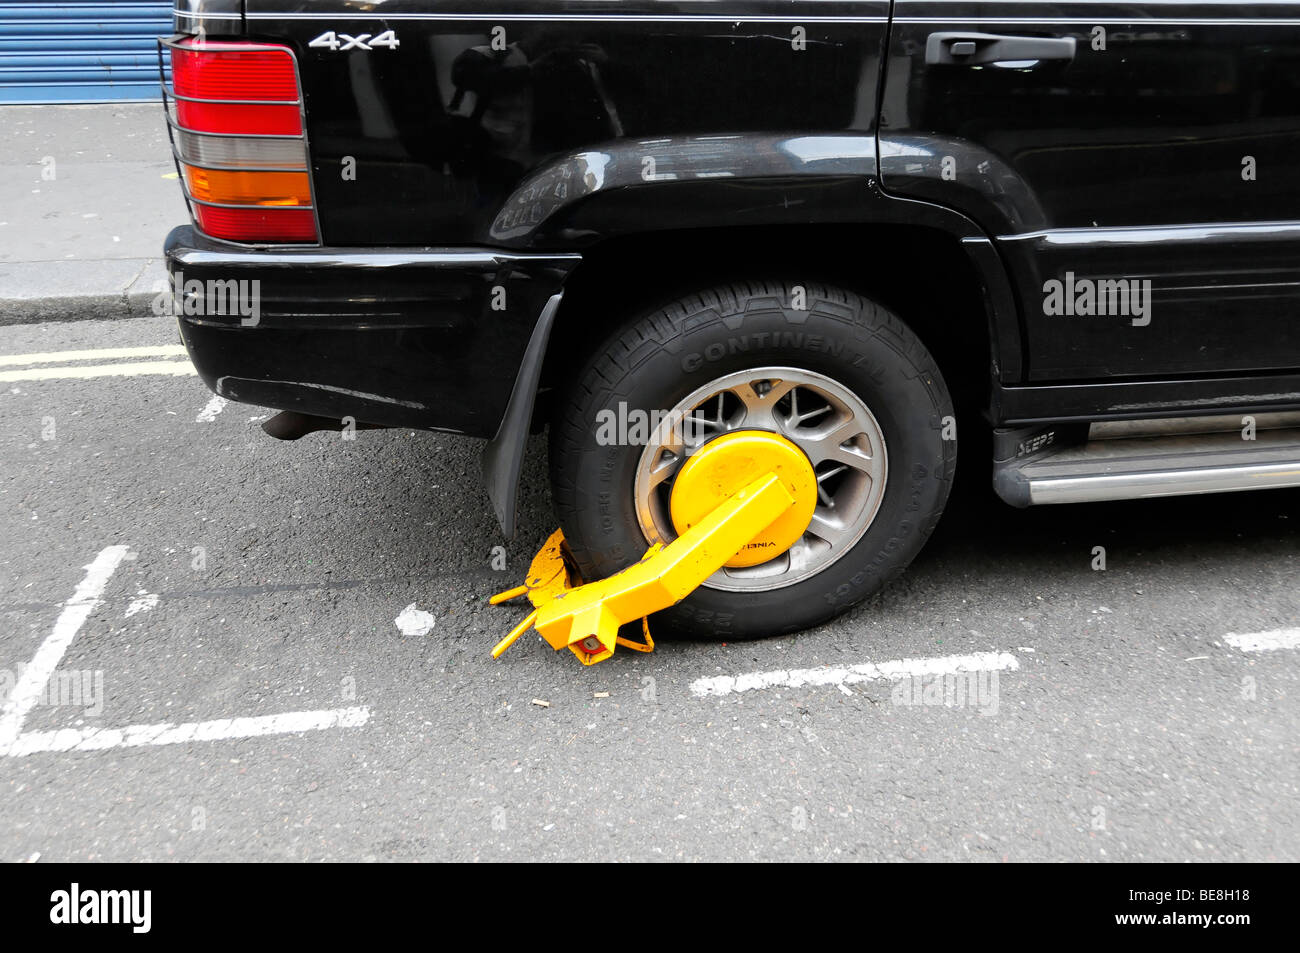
point(85, 599)
point(894, 670)
point(27, 693)
point(213, 408)
point(1264, 641)
point(898, 669)
point(222, 729)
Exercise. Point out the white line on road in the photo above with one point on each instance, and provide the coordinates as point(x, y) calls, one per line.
point(865, 672)
point(98, 354)
point(1264, 641)
point(223, 729)
point(76, 610)
point(27, 693)
point(209, 413)
point(132, 369)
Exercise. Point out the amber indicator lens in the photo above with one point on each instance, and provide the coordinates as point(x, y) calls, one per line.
point(226, 187)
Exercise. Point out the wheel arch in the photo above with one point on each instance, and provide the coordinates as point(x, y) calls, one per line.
point(929, 264)
point(950, 290)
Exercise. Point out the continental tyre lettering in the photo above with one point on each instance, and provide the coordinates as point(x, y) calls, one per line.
point(786, 340)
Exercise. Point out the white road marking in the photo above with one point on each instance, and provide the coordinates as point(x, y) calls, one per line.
point(145, 602)
point(83, 372)
point(99, 354)
point(36, 675)
point(413, 621)
point(87, 596)
point(1264, 641)
point(209, 413)
point(223, 729)
point(865, 672)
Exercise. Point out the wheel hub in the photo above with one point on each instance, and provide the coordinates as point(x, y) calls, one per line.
point(825, 421)
point(724, 465)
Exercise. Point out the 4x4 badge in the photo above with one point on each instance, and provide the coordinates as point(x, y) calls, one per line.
point(337, 42)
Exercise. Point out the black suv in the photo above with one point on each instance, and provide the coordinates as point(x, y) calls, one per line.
point(1064, 231)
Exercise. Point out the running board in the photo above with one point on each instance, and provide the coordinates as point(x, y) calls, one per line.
point(1135, 467)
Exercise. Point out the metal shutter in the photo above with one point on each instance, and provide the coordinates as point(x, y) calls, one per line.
point(73, 52)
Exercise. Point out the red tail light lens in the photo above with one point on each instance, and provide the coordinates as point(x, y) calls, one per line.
point(272, 224)
point(226, 71)
point(243, 99)
point(239, 118)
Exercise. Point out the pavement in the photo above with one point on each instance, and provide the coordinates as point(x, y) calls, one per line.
point(87, 194)
point(217, 646)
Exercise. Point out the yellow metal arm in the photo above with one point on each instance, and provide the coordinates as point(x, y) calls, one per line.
point(586, 619)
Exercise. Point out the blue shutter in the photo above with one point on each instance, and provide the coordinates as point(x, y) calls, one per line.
point(73, 52)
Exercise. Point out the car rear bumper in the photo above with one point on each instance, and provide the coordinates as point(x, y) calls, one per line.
point(403, 337)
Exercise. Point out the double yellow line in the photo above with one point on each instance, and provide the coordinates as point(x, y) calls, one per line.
point(167, 359)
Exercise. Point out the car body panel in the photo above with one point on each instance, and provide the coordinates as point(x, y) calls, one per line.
point(394, 337)
point(596, 120)
point(1165, 150)
point(446, 128)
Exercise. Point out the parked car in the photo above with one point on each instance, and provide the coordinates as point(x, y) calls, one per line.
point(1068, 231)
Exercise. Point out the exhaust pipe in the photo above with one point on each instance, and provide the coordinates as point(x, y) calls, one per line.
point(291, 425)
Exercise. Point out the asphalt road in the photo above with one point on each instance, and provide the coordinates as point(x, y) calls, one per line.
point(263, 582)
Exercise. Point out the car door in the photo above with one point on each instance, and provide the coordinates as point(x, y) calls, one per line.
point(1136, 164)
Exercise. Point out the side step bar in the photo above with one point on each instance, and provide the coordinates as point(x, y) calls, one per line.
point(1162, 459)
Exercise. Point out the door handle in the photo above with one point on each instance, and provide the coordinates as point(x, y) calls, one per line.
point(968, 49)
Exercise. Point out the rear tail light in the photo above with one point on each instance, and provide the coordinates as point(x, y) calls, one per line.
point(238, 136)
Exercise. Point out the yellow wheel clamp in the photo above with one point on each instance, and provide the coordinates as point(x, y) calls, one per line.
point(742, 499)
